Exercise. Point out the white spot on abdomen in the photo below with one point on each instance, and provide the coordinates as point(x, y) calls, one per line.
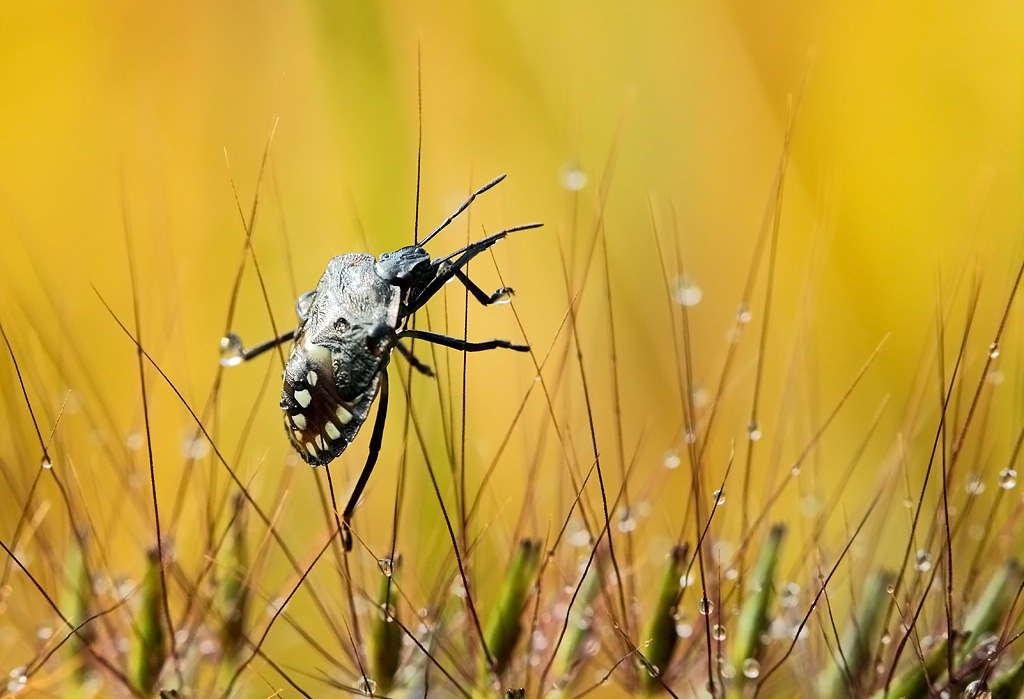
point(311, 378)
point(332, 431)
point(344, 416)
point(303, 398)
point(299, 420)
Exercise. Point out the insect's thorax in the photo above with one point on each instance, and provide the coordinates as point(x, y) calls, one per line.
point(332, 374)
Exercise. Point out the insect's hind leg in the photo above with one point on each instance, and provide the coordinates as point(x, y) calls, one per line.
point(456, 343)
point(376, 438)
point(233, 352)
point(413, 359)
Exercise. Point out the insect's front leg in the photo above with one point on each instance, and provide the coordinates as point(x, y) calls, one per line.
point(451, 266)
point(502, 294)
point(232, 352)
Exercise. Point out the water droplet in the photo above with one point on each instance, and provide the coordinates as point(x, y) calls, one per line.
point(790, 596)
point(890, 588)
point(385, 566)
point(686, 292)
point(684, 630)
point(975, 486)
point(387, 612)
point(302, 306)
point(923, 561)
point(45, 461)
point(753, 431)
point(504, 296)
point(627, 522)
point(995, 377)
point(699, 394)
point(810, 506)
point(653, 670)
point(794, 470)
point(886, 638)
point(231, 350)
point(1007, 478)
point(579, 536)
point(751, 668)
point(743, 314)
point(705, 606)
point(134, 441)
point(194, 446)
point(718, 632)
point(718, 497)
point(367, 685)
point(18, 679)
point(993, 350)
point(671, 459)
point(573, 178)
point(978, 689)
point(690, 436)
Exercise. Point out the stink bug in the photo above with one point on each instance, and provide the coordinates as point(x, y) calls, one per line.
point(348, 327)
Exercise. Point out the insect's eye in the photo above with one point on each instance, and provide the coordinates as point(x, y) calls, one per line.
point(303, 305)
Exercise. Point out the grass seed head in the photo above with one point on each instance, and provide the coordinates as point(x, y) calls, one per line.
point(149, 647)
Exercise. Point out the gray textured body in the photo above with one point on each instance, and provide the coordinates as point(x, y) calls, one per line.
point(333, 372)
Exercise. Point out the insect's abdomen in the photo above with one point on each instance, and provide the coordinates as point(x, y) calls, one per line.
point(322, 421)
point(333, 372)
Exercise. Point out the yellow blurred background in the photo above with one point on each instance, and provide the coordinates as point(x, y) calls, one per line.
point(905, 174)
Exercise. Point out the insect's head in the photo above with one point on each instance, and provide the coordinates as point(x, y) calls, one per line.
point(403, 265)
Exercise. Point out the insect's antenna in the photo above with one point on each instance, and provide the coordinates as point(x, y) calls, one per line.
point(462, 207)
point(419, 141)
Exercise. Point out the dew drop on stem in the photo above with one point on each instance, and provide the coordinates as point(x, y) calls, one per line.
point(743, 315)
point(686, 292)
point(231, 350)
point(1007, 478)
point(923, 561)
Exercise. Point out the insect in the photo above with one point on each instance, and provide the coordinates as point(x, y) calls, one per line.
point(348, 327)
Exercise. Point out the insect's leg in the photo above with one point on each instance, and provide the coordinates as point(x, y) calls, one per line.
point(479, 294)
point(233, 353)
point(385, 332)
point(456, 343)
point(412, 359)
point(371, 460)
point(456, 261)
